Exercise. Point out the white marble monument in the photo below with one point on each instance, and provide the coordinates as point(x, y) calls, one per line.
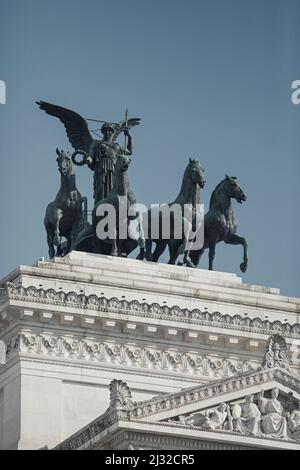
point(191, 338)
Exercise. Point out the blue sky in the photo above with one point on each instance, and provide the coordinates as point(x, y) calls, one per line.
point(211, 79)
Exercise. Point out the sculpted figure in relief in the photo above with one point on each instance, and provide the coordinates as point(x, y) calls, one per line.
point(268, 418)
point(214, 418)
point(294, 423)
point(246, 417)
point(273, 423)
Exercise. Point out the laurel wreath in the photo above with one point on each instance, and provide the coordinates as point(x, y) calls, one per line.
point(83, 161)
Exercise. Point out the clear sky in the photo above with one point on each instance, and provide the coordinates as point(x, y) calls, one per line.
point(211, 79)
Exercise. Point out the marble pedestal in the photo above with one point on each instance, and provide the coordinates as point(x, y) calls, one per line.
point(73, 324)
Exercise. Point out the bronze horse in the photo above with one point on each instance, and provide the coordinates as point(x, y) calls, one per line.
point(220, 223)
point(188, 197)
point(64, 214)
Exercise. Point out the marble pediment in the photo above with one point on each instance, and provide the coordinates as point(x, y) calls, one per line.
point(257, 409)
point(201, 397)
point(263, 404)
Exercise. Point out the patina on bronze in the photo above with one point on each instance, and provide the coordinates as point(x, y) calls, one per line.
point(107, 159)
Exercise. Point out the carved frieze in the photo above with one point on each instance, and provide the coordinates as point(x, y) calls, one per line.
point(270, 417)
point(126, 355)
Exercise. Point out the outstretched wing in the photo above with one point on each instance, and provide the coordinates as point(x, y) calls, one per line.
point(122, 124)
point(75, 125)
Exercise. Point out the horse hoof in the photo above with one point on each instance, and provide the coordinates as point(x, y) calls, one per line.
point(180, 263)
point(141, 255)
point(243, 267)
point(114, 253)
point(189, 264)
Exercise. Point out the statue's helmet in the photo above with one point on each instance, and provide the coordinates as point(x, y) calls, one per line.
point(108, 125)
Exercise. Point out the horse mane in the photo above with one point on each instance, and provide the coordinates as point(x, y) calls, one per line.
point(214, 191)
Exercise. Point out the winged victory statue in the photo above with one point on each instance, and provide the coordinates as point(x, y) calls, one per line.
point(100, 155)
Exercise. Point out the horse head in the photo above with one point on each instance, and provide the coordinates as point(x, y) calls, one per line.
point(195, 173)
point(233, 190)
point(122, 164)
point(64, 162)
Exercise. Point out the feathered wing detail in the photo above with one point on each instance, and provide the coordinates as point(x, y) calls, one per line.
point(120, 126)
point(76, 126)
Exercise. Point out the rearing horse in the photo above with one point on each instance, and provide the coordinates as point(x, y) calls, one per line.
point(220, 223)
point(64, 214)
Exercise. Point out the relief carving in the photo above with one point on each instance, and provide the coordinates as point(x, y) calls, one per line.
point(268, 418)
point(276, 354)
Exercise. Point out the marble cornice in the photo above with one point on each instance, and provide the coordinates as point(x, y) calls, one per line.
point(153, 441)
point(134, 309)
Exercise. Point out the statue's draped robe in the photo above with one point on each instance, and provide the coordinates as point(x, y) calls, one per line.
point(104, 155)
point(248, 422)
point(216, 419)
point(295, 425)
point(273, 423)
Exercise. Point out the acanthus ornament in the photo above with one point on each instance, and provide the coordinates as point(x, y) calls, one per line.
point(128, 355)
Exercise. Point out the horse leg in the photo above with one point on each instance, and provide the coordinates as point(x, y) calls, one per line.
point(50, 238)
point(58, 216)
point(237, 240)
point(211, 255)
point(114, 246)
point(141, 255)
point(122, 248)
point(184, 247)
point(141, 239)
point(194, 256)
point(128, 247)
point(160, 248)
point(148, 254)
point(173, 249)
point(69, 244)
point(187, 261)
point(142, 245)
